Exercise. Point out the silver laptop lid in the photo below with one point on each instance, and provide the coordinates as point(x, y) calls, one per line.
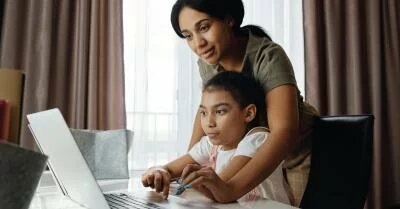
point(65, 159)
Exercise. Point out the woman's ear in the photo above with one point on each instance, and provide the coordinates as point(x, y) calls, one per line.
point(230, 21)
point(250, 113)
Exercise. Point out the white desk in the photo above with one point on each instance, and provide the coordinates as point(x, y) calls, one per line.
point(50, 197)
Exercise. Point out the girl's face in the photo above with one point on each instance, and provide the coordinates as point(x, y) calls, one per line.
point(207, 36)
point(222, 119)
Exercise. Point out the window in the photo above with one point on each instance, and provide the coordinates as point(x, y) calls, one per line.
point(161, 75)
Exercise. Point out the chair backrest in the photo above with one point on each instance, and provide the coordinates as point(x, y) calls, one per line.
point(341, 162)
point(20, 173)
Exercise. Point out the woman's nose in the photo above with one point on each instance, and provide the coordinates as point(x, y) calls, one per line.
point(199, 42)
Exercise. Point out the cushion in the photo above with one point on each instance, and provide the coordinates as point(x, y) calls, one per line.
point(106, 152)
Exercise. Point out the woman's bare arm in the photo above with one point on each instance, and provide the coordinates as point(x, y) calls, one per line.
point(237, 163)
point(197, 131)
point(283, 121)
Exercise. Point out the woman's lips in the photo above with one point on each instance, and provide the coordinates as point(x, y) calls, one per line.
point(208, 53)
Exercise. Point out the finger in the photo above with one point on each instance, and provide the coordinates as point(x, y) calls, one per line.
point(208, 179)
point(150, 180)
point(144, 181)
point(197, 180)
point(189, 169)
point(158, 178)
point(166, 180)
point(197, 175)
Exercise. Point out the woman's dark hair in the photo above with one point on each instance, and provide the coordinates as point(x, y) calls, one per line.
point(219, 9)
point(244, 89)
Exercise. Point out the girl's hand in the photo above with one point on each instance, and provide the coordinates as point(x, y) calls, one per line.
point(206, 181)
point(157, 178)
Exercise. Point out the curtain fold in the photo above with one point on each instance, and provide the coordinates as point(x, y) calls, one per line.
point(1, 16)
point(71, 53)
point(353, 67)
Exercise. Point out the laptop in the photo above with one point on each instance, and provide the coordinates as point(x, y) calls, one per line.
point(70, 169)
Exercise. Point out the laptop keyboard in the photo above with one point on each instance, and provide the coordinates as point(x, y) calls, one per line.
point(124, 201)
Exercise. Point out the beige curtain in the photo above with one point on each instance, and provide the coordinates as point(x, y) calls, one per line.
point(352, 53)
point(71, 52)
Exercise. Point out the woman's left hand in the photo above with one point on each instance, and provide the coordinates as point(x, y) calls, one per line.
point(206, 181)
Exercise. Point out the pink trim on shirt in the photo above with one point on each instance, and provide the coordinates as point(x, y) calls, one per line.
point(213, 157)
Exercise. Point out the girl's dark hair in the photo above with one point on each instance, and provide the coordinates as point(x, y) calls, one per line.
point(244, 89)
point(219, 9)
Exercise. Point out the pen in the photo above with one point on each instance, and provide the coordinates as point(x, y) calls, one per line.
point(177, 179)
point(181, 188)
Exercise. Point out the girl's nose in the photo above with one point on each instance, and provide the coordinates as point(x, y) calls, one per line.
point(211, 121)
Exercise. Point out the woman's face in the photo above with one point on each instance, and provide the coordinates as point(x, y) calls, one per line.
point(207, 36)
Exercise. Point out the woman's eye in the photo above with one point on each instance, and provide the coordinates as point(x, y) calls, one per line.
point(203, 28)
point(187, 36)
point(202, 113)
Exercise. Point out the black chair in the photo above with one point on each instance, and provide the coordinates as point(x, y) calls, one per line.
point(341, 163)
point(20, 172)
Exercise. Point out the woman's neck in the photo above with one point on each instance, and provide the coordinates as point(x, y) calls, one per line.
point(234, 60)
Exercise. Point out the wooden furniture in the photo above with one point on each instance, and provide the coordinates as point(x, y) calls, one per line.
point(5, 111)
point(11, 90)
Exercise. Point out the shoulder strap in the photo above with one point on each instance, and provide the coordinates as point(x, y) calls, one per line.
point(257, 129)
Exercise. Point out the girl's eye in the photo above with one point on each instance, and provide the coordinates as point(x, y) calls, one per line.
point(221, 112)
point(202, 113)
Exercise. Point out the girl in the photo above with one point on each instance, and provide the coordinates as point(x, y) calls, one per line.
point(231, 105)
point(212, 29)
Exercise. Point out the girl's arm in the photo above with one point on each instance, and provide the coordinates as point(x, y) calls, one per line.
point(197, 132)
point(176, 167)
point(283, 121)
point(159, 177)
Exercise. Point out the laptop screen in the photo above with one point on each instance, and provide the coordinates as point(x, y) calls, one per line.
point(65, 159)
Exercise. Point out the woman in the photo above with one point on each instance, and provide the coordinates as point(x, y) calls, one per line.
point(212, 30)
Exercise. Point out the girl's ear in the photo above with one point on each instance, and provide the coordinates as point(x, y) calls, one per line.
point(250, 113)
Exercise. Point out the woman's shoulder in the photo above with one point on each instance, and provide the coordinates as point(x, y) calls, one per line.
point(261, 50)
point(268, 63)
point(207, 71)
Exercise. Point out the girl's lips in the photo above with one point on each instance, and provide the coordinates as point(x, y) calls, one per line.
point(212, 135)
